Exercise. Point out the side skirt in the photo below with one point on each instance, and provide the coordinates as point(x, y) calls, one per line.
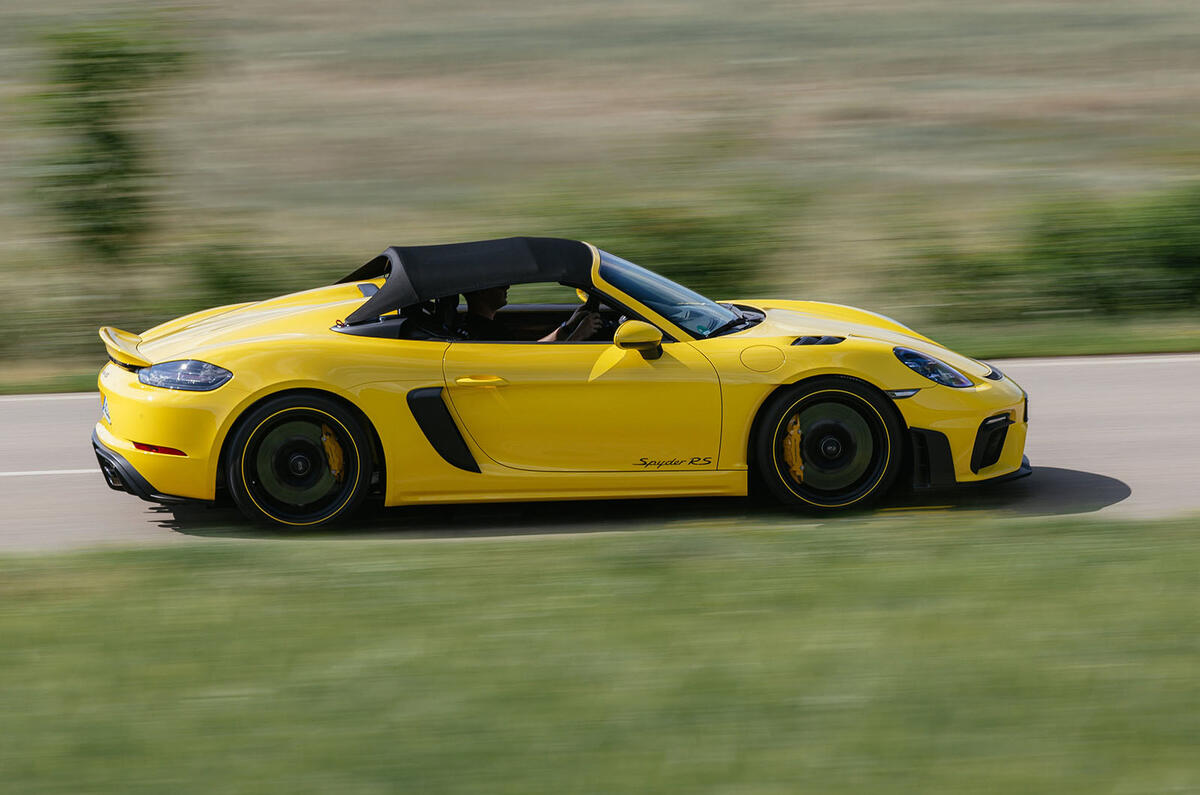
point(523, 486)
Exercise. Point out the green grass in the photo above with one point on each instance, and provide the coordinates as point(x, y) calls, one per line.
point(67, 379)
point(907, 654)
point(1069, 336)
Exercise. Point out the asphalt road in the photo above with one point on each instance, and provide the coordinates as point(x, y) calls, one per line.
point(1114, 435)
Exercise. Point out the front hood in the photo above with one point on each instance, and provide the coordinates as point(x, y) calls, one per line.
point(815, 319)
point(287, 316)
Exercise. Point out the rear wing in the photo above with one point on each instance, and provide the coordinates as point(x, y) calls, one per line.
point(122, 347)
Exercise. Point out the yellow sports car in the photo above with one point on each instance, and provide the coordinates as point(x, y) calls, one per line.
point(386, 384)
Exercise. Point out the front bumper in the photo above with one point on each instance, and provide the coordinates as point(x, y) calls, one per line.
point(968, 436)
point(933, 463)
point(1025, 470)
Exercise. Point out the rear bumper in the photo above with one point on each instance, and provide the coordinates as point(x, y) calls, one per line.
point(120, 475)
point(186, 421)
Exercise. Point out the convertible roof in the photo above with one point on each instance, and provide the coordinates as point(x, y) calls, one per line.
point(420, 273)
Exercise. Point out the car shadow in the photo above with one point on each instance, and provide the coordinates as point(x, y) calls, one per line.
point(1049, 491)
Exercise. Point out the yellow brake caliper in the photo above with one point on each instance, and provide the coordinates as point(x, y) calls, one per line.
point(333, 452)
point(791, 449)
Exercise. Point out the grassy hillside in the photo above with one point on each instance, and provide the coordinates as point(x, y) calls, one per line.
point(903, 654)
point(306, 136)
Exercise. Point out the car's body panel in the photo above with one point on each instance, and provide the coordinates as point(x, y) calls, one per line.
point(592, 407)
point(192, 319)
point(541, 421)
point(290, 318)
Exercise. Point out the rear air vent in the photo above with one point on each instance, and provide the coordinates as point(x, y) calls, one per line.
point(826, 340)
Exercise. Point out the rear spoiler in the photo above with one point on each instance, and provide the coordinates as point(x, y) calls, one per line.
point(122, 346)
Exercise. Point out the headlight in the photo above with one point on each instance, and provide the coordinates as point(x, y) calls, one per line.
point(933, 369)
point(189, 374)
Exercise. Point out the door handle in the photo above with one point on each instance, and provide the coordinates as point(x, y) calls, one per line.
point(480, 380)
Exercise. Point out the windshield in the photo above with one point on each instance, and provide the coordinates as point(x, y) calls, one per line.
point(686, 309)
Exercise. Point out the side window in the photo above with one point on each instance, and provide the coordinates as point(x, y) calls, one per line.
point(529, 312)
point(542, 293)
point(534, 312)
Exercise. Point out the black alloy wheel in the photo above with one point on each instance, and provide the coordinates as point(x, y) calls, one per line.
point(299, 460)
point(829, 444)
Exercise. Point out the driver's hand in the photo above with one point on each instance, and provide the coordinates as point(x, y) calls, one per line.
point(559, 334)
point(589, 324)
point(576, 315)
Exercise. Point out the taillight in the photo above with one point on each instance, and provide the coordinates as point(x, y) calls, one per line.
point(155, 448)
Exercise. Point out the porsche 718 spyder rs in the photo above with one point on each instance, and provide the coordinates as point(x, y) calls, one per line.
point(302, 406)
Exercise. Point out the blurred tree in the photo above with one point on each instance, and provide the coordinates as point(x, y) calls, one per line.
point(100, 179)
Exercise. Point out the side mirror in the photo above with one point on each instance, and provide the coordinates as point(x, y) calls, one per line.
point(638, 336)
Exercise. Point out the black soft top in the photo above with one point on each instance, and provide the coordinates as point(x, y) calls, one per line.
point(421, 273)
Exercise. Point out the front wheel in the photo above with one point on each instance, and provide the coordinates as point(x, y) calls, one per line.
point(299, 460)
point(829, 444)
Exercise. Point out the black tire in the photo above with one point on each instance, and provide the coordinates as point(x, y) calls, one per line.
point(299, 460)
point(850, 445)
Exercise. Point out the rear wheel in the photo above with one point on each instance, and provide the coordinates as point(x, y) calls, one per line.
point(299, 460)
point(829, 444)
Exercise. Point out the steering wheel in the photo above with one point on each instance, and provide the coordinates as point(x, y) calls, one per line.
point(608, 326)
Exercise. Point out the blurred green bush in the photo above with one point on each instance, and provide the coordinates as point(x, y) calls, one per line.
point(1172, 226)
point(1078, 256)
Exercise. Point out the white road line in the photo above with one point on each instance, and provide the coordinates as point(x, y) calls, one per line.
point(33, 472)
point(64, 396)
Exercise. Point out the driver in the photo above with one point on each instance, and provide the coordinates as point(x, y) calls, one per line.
point(482, 324)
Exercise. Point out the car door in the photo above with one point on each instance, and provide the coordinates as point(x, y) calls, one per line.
point(586, 406)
